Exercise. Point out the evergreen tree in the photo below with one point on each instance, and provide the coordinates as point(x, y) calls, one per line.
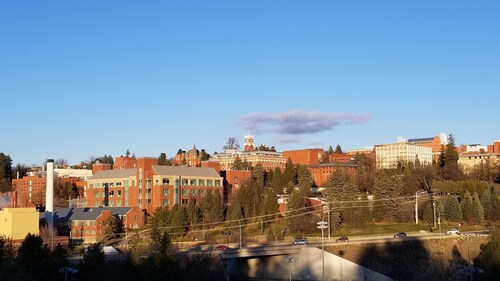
point(162, 159)
point(338, 149)
point(93, 263)
point(237, 164)
point(304, 179)
point(5, 173)
point(277, 181)
point(258, 175)
point(477, 208)
point(489, 257)
point(289, 176)
point(452, 210)
point(178, 222)
point(193, 213)
point(330, 150)
point(486, 202)
point(342, 191)
point(204, 156)
point(467, 207)
point(389, 188)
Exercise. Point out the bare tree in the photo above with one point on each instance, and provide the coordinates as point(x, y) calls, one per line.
point(60, 162)
point(232, 143)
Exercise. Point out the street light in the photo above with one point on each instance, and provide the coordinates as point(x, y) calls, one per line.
point(290, 260)
point(322, 225)
point(67, 270)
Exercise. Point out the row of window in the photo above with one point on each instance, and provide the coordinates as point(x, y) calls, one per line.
point(164, 181)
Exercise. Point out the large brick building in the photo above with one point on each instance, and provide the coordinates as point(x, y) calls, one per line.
point(149, 185)
point(88, 225)
point(31, 189)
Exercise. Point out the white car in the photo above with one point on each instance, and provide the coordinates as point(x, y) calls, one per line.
point(453, 231)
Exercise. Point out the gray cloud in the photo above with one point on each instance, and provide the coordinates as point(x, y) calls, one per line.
point(298, 122)
point(287, 139)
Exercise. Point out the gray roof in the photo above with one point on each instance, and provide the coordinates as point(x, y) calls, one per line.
point(118, 173)
point(87, 213)
point(185, 171)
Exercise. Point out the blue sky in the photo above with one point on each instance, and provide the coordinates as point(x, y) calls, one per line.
point(88, 78)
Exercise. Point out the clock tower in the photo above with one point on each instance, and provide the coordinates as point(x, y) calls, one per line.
point(249, 145)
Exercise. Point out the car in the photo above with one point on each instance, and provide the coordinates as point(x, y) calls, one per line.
point(400, 235)
point(453, 231)
point(221, 247)
point(301, 242)
point(342, 239)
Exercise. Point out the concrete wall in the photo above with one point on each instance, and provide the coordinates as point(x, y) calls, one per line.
point(307, 265)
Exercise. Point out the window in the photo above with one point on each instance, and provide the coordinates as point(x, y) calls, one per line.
point(166, 202)
point(184, 201)
point(91, 185)
point(111, 184)
point(209, 191)
point(126, 183)
point(118, 193)
point(217, 182)
point(201, 182)
point(133, 182)
point(166, 191)
point(184, 182)
point(192, 182)
point(111, 193)
point(97, 185)
point(118, 184)
point(185, 192)
point(209, 182)
point(193, 192)
point(166, 181)
point(202, 192)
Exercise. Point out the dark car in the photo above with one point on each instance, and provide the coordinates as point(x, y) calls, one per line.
point(400, 235)
point(221, 248)
point(343, 239)
point(301, 242)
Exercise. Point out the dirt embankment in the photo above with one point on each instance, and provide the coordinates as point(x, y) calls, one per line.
point(438, 259)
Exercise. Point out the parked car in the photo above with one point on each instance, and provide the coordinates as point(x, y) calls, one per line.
point(453, 231)
point(221, 247)
point(301, 242)
point(400, 235)
point(343, 239)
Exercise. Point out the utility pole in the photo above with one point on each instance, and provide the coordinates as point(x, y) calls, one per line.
point(416, 207)
point(240, 233)
point(433, 210)
point(322, 225)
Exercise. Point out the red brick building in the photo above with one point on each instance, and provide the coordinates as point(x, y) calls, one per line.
point(149, 185)
point(88, 225)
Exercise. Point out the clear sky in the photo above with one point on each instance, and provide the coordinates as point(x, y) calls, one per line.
point(88, 78)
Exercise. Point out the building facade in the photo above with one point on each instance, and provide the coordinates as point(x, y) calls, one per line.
point(394, 155)
point(16, 223)
point(89, 225)
point(149, 186)
point(469, 160)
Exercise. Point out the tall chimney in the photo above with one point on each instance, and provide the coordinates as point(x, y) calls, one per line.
point(14, 199)
point(49, 192)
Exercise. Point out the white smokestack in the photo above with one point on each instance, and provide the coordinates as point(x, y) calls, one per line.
point(49, 192)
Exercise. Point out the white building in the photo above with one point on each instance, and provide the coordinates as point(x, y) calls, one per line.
point(389, 156)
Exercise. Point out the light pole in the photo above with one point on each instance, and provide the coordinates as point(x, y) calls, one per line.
point(322, 225)
point(67, 270)
point(290, 260)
